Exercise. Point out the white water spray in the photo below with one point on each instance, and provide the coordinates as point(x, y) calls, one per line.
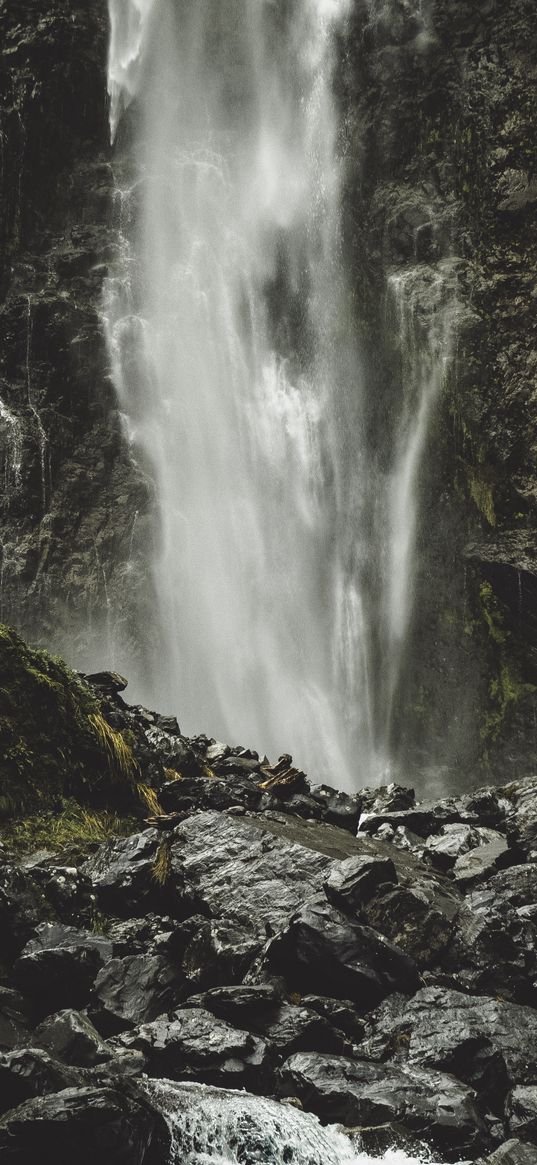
point(231, 332)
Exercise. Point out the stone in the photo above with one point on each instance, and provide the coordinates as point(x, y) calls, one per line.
point(236, 868)
point(134, 989)
point(521, 817)
point(323, 952)
point(86, 1125)
point(28, 1072)
point(59, 966)
point(480, 863)
point(513, 1152)
point(354, 881)
point(486, 1043)
point(340, 1013)
point(355, 1093)
point(494, 948)
point(202, 792)
point(70, 1036)
point(521, 1112)
point(338, 808)
point(107, 681)
point(421, 923)
point(22, 907)
point(218, 951)
point(122, 874)
point(14, 1022)
point(242, 1005)
point(193, 1044)
point(296, 1028)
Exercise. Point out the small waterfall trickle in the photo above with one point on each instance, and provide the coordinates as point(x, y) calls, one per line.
point(234, 1128)
point(283, 574)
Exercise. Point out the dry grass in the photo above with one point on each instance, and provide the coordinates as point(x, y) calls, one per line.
point(119, 754)
point(149, 798)
point(73, 827)
point(162, 864)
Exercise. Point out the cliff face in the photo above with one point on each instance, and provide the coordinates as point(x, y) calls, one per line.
point(439, 135)
point(71, 489)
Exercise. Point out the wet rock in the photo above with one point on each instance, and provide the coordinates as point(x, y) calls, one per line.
point(338, 808)
point(59, 966)
point(134, 936)
point(14, 1022)
point(70, 1036)
point(107, 681)
point(80, 1124)
point(134, 989)
point(201, 792)
point(420, 919)
point(174, 752)
point(386, 799)
point(356, 880)
point(359, 1093)
point(67, 889)
point(480, 863)
point(296, 1028)
point(122, 874)
point(521, 1112)
point(422, 819)
point(217, 951)
point(494, 948)
point(486, 1043)
point(521, 818)
point(453, 841)
point(323, 952)
point(340, 1013)
point(22, 907)
point(241, 1005)
point(236, 868)
point(513, 1152)
point(194, 1044)
point(28, 1072)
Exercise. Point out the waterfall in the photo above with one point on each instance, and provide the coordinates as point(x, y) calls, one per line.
point(233, 1128)
point(282, 581)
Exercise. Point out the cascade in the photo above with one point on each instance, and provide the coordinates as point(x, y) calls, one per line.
point(283, 566)
point(233, 1128)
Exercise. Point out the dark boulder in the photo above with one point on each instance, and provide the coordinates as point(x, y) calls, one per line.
point(216, 951)
point(323, 952)
point(22, 907)
point(193, 1044)
point(122, 873)
point(521, 816)
point(14, 1023)
point(494, 946)
point(480, 863)
point(243, 1006)
point(70, 1036)
point(340, 1013)
point(521, 1112)
point(420, 918)
point(86, 1125)
point(354, 881)
point(203, 792)
point(511, 1153)
point(355, 1092)
point(486, 1043)
point(29, 1072)
point(134, 989)
point(338, 808)
point(58, 967)
point(236, 868)
point(296, 1028)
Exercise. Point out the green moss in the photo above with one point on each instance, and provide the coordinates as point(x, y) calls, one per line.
point(481, 493)
point(52, 741)
point(506, 691)
point(492, 614)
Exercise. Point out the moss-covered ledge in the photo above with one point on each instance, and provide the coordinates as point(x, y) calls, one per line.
point(59, 758)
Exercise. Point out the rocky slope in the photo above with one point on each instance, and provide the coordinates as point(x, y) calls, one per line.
point(369, 958)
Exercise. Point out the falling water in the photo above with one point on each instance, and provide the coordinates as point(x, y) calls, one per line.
point(231, 333)
point(233, 1128)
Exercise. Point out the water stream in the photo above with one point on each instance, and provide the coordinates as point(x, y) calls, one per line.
point(283, 569)
point(233, 1128)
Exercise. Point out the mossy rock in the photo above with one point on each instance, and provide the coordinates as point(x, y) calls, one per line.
point(54, 741)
